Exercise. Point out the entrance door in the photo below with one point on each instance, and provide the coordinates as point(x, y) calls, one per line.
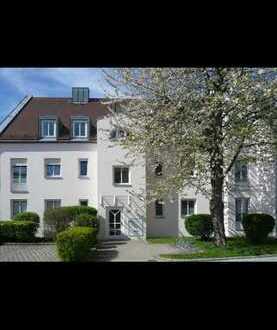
point(115, 223)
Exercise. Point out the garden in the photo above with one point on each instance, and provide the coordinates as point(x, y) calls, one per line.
point(73, 229)
point(255, 242)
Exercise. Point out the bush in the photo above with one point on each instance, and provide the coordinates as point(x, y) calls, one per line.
point(27, 216)
point(200, 225)
point(86, 220)
point(59, 219)
point(17, 231)
point(257, 226)
point(74, 244)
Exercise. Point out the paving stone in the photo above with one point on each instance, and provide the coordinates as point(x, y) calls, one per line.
point(28, 252)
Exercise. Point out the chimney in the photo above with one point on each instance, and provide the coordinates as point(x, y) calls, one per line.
point(80, 95)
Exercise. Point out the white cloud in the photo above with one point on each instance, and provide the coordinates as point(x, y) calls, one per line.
point(54, 81)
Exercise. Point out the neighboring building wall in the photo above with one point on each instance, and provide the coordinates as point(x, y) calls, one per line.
point(260, 189)
point(129, 198)
point(70, 188)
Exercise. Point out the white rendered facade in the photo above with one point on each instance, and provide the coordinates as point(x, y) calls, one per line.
point(122, 208)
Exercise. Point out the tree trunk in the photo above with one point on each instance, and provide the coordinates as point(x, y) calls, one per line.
point(217, 208)
point(217, 180)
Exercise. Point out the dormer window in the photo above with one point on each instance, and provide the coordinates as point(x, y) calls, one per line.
point(48, 128)
point(80, 128)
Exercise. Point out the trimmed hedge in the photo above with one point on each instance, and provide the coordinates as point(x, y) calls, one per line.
point(200, 225)
point(257, 226)
point(27, 216)
point(17, 231)
point(59, 219)
point(74, 244)
point(86, 220)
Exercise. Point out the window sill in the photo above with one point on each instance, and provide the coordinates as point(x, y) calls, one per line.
point(122, 185)
point(54, 139)
point(79, 139)
point(20, 191)
point(53, 177)
point(84, 177)
point(159, 217)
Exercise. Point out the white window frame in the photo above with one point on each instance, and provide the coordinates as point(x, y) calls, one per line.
point(51, 200)
point(155, 209)
point(82, 160)
point(122, 183)
point(79, 121)
point(12, 206)
point(117, 132)
point(47, 136)
point(18, 162)
point(52, 162)
point(187, 200)
point(240, 179)
point(242, 208)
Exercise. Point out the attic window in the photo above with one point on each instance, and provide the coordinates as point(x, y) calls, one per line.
point(48, 128)
point(80, 128)
point(80, 95)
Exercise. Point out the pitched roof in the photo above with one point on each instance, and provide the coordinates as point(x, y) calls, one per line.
point(23, 125)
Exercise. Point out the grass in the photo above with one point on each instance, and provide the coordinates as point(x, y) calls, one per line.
point(236, 246)
point(162, 240)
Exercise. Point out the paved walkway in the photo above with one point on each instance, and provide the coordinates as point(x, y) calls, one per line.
point(133, 250)
point(28, 252)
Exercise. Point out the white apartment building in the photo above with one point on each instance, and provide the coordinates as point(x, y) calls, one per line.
point(63, 151)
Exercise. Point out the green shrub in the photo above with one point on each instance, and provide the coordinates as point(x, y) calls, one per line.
point(200, 225)
point(74, 244)
point(17, 231)
point(27, 216)
point(58, 219)
point(86, 220)
point(257, 226)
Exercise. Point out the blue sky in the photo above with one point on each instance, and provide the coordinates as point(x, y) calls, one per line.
point(15, 83)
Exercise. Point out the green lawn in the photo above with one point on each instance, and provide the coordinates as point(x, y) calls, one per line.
point(236, 246)
point(161, 240)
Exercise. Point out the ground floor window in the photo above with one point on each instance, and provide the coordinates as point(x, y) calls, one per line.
point(18, 206)
point(187, 207)
point(242, 205)
point(83, 202)
point(52, 203)
point(159, 208)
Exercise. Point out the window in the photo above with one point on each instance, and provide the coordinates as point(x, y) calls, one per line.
point(241, 172)
point(18, 206)
point(80, 94)
point(159, 170)
point(159, 208)
point(187, 207)
point(52, 203)
point(117, 133)
point(48, 128)
point(19, 173)
point(80, 128)
point(121, 175)
point(83, 167)
point(242, 205)
point(53, 168)
point(83, 202)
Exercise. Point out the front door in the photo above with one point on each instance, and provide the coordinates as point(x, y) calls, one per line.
point(114, 216)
